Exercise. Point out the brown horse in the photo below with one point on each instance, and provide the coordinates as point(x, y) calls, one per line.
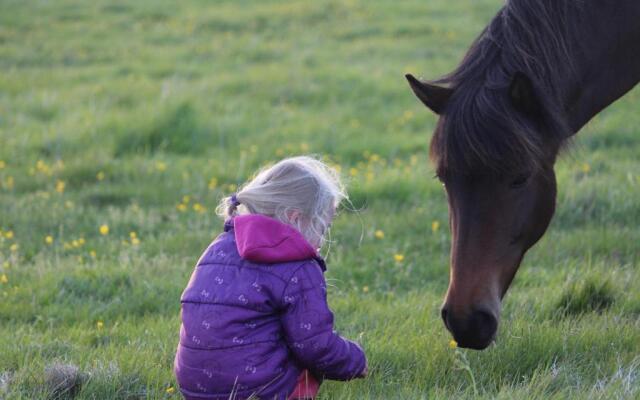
point(536, 74)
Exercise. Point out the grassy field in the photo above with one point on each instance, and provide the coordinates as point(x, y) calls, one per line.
point(123, 123)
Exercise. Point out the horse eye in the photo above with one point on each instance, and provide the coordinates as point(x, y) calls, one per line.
point(519, 181)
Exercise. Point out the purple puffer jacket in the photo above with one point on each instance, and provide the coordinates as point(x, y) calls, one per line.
point(255, 314)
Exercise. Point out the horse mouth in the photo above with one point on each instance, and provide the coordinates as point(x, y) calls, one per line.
point(476, 331)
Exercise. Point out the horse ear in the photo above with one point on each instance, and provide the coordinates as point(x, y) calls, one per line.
point(523, 95)
point(434, 97)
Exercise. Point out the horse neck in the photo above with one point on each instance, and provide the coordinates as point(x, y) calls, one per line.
point(608, 60)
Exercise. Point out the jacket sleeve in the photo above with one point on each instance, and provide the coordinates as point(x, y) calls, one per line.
point(308, 328)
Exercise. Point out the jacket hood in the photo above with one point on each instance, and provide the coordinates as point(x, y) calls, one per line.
point(266, 240)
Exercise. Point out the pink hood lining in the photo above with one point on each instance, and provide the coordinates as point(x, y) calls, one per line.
point(266, 240)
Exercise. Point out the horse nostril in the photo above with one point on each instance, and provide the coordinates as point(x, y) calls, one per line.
point(484, 323)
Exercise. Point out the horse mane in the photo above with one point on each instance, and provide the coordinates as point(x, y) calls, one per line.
point(480, 131)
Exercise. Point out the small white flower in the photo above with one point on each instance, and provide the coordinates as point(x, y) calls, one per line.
point(243, 299)
point(218, 280)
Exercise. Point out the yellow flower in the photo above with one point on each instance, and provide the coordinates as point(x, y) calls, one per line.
point(353, 172)
point(435, 225)
point(104, 230)
point(100, 176)
point(68, 204)
point(2, 164)
point(8, 183)
point(213, 183)
point(60, 186)
point(198, 208)
point(93, 254)
point(81, 241)
point(132, 235)
point(453, 344)
point(585, 168)
point(181, 207)
point(365, 289)
point(186, 199)
point(398, 257)
point(8, 234)
point(14, 247)
point(99, 324)
point(4, 279)
point(379, 234)
point(48, 239)
point(170, 390)
point(135, 241)
point(75, 243)
point(161, 166)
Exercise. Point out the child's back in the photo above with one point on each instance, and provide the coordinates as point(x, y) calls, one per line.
point(255, 316)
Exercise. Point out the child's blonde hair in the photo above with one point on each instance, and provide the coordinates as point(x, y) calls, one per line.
point(299, 186)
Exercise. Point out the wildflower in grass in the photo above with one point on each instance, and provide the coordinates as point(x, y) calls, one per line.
point(379, 234)
point(104, 230)
point(213, 183)
point(2, 164)
point(199, 208)
point(75, 243)
point(453, 344)
point(182, 207)
point(60, 185)
point(435, 225)
point(8, 234)
point(370, 177)
point(232, 187)
point(365, 289)
point(14, 247)
point(8, 183)
point(100, 176)
point(161, 166)
point(48, 239)
point(134, 238)
point(4, 279)
point(81, 241)
point(99, 325)
point(186, 199)
point(92, 254)
point(68, 204)
point(353, 171)
point(586, 168)
point(170, 390)
point(398, 257)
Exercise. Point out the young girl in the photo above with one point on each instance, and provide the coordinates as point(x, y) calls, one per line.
point(255, 319)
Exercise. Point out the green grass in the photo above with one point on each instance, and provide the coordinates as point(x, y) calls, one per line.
point(134, 105)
